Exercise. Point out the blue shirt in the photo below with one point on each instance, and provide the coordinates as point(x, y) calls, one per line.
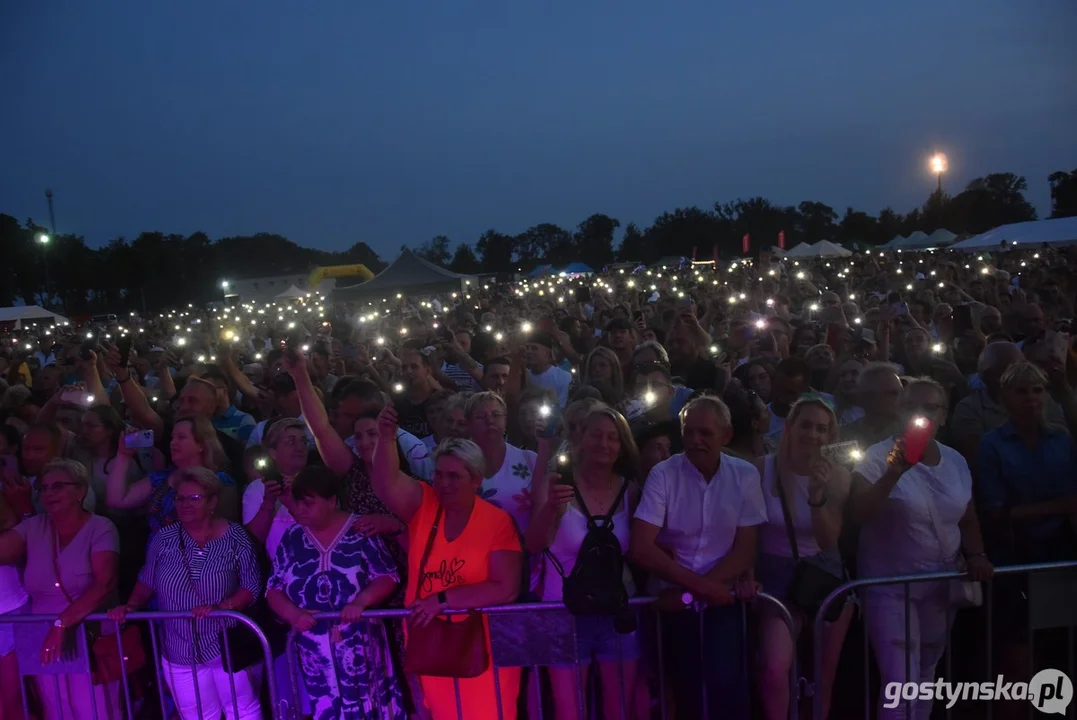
point(1012, 475)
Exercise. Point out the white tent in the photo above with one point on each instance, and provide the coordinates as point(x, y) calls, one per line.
point(941, 237)
point(803, 250)
point(20, 314)
point(291, 293)
point(893, 243)
point(916, 240)
point(825, 248)
point(1060, 231)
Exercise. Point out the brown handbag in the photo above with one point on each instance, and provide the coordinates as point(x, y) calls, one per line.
point(107, 665)
point(445, 648)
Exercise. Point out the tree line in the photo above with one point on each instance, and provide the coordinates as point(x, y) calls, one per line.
point(158, 270)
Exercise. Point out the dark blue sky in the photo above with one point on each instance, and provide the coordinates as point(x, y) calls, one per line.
point(390, 122)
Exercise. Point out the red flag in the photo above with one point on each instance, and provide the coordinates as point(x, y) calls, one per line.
point(745, 243)
point(781, 240)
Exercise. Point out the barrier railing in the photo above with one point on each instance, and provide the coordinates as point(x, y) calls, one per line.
point(1054, 609)
point(66, 686)
point(505, 658)
point(69, 682)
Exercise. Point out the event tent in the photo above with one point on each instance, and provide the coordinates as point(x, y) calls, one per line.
point(19, 314)
point(577, 268)
point(825, 248)
point(941, 237)
point(803, 250)
point(821, 249)
point(1059, 231)
point(915, 241)
point(291, 293)
point(893, 242)
point(542, 271)
point(408, 273)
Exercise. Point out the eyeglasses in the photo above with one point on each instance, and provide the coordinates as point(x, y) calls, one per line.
point(188, 499)
point(491, 418)
point(53, 487)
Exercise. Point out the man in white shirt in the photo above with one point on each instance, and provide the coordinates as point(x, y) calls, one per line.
point(540, 368)
point(695, 531)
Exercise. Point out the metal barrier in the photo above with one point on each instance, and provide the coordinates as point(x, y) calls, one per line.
point(1056, 609)
point(71, 676)
point(507, 657)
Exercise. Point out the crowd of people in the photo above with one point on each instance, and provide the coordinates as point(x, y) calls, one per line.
point(694, 434)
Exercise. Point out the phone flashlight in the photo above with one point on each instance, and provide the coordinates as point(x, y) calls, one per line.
point(714, 349)
point(937, 348)
point(760, 324)
point(398, 388)
point(650, 397)
point(526, 327)
point(544, 410)
point(380, 341)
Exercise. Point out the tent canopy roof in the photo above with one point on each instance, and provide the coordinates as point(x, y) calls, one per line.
point(292, 292)
point(407, 272)
point(1059, 231)
point(28, 313)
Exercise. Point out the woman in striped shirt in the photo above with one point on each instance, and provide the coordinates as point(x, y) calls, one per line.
point(200, 564)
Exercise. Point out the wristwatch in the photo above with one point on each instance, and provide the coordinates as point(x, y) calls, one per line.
point(687, 598)
point(443, 601)
point(58, 623)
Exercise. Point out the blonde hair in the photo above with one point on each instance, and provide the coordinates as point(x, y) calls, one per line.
point(466, 452)
point(618, 382)
point(627, 463)
point(205, 434)
point(1025, 373)
point(75, 470)
point(483, 398)
point(200, 476)
point(783, 459)
point(576, 414)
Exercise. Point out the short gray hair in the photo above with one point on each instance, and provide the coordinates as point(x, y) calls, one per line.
point(72, 468)
point(277, 429)
point(663, 356)
point(203, 477)
point(872, 372)
point(993, 354)
point(710, 402)
point(484, 398)
point(465, 451)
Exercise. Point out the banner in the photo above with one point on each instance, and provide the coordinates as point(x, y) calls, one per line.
point(781, 240)
point(745, 243)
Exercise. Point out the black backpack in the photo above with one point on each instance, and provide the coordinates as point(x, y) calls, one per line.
point(596, 584)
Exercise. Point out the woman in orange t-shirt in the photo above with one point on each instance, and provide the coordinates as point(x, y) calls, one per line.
point(475, 560)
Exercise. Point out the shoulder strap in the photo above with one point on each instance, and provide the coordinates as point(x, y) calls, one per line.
point(785, 511)
point(54, 540)
point(429, 547)
point(607, 519)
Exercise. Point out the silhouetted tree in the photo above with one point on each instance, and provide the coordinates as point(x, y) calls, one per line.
point(1063, 194)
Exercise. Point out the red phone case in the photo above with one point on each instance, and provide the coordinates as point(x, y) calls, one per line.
point(917, 436)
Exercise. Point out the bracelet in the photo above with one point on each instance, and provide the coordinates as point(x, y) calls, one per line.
point(819, 504)
point(976, 555)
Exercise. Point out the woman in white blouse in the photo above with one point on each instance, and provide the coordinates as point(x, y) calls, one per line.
point(916, 518)
point(815, 492)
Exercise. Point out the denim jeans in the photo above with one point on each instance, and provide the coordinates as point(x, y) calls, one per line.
point(703, 654)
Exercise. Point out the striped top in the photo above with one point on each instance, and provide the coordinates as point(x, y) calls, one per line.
point(217, 570)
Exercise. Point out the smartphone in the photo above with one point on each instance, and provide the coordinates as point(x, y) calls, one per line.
point(141, 440)
point(917, 435)
point(842, 453)
point(75, 396)
point(564, 469)
point(124, 346)
point(582, 294)
point(962, 320)
point(900, 308)
point(833, 336)
point(86, 348)
point(552, 415)
point(267, 469)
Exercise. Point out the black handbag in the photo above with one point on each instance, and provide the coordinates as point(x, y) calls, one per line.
point(811, 584)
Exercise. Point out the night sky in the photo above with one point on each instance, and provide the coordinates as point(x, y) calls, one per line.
point(337, 121)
